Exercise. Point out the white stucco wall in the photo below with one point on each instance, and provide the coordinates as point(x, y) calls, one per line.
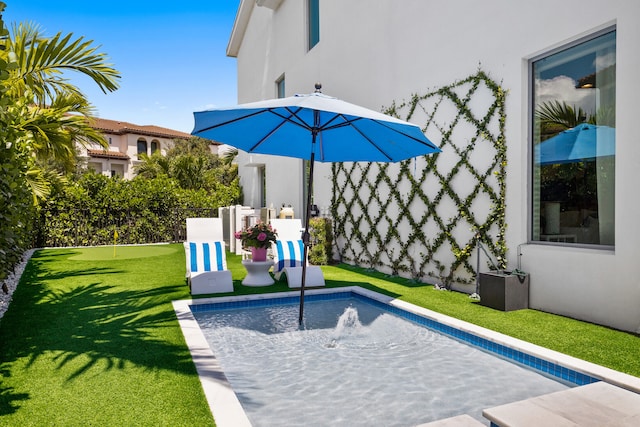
point(372, 53)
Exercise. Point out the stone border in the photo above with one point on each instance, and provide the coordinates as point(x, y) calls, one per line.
point(12, 281)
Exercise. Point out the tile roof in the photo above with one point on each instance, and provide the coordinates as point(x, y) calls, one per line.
point(120, 128)
point(107, 154)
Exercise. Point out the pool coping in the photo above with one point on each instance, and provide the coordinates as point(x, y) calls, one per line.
point(227, 410)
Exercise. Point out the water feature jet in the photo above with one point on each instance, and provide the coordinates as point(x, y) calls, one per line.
point(348, 322)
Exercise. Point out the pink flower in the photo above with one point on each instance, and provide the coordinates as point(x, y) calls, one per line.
point(238, 234)
point(262, 237)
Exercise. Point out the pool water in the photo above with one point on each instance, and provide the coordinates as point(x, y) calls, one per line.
point(355, 364)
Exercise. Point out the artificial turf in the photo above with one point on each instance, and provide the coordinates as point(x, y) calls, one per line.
point(93, 340)
point(91, 337)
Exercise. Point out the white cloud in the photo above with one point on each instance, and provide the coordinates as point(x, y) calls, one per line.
point(563, 88)
point(604, 61)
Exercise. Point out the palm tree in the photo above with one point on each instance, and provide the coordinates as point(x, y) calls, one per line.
point(49, 113)
point(229, 156)
point(152, 166)
point(194, 166)
point(190, 171)
point(227, 172)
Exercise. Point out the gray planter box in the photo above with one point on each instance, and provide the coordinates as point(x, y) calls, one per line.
point(504, 291)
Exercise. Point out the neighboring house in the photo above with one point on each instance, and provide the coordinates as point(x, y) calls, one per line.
point(126, 142)
point(577, 234)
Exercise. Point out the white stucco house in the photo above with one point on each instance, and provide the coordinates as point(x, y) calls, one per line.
point(519, 68)
point(126, 142)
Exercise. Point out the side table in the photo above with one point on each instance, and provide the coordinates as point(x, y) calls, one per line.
point(257, 273)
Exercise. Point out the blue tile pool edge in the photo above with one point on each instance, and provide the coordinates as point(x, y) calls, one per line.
point(533, 362)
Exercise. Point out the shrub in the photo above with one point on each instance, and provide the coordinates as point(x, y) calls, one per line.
point(88, 211)
point(321, 236)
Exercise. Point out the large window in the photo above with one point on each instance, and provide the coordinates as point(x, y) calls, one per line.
point(574, 143)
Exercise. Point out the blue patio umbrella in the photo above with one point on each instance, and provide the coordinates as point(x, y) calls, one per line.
point(584, 142)
point(313, 127)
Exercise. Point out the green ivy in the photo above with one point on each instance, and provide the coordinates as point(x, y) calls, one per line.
point(374, 204)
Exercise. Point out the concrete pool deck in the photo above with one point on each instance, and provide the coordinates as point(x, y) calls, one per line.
point(226, 407)
point(598, 404)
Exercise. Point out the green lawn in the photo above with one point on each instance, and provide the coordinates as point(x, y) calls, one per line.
point(91, 338)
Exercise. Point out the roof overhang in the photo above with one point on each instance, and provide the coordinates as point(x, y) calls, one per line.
point(271, 4)
point(239, 27)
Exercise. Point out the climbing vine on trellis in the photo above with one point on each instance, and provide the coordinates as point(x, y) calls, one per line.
point(423, 216)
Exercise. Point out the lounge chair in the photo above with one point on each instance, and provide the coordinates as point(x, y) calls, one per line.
point(288, 252)
point(202, 230)
point(206, 258)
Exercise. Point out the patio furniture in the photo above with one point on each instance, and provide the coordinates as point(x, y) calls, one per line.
point(288, 253)
point(306, 126)
point(205, 256)
point(257, 273)
point(202, 230)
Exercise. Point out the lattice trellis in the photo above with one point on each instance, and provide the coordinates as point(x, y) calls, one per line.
point(422, 217)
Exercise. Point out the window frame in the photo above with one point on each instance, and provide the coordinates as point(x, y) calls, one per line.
point(531, 107)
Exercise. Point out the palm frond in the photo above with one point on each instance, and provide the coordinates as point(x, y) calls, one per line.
point(40, 186)
point(152, 166)
point(560, 114)
point(42, 61)
point(229, 155)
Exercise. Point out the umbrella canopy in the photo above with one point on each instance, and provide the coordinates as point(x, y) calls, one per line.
point(581, 143)
point(283, 127)
point(313, 127)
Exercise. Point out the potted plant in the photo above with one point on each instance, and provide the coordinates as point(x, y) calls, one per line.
point(257, 239)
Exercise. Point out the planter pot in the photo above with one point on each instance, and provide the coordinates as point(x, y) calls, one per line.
point(504, 291)
point(258, 254)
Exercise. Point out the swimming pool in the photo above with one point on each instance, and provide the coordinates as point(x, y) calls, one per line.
point(483, 342)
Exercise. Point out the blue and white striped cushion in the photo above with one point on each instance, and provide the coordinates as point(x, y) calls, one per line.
point(206, 256)
point(289, 253)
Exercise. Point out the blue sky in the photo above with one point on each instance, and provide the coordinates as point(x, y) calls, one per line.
point(172, 56)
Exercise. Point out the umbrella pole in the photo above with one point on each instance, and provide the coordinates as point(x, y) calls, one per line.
point(305, 235)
